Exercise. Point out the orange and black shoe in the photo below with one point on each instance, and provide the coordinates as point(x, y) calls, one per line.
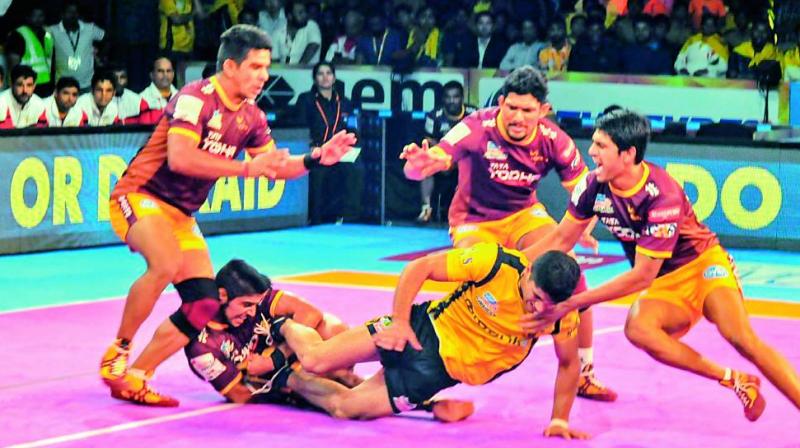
point(114, 364)
point(136, 390)
point(591, 388)
point(748, 389)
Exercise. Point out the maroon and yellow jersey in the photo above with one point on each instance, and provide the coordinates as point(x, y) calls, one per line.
point(219, 353)
point(478, 327)
point(654, 217)
point(203, 112)
point(498, 176)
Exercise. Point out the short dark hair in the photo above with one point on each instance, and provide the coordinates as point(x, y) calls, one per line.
point(526, 80)
point(208, 70)
point(67, 81)
point(626, 129)
point(453, 85)
point(318, 66)
point(238, 40)
point(241, 279)
point(104, 75)
point(483, 14)
point(557, 274)
point(22, 71)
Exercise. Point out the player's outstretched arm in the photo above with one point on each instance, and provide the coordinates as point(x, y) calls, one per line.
point(424, 161)
point(298, 309)
point(330, 153)
point(566, 386)
point(563, 238)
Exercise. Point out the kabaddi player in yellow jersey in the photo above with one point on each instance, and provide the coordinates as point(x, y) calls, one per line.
point(502, 153)
point(680, 270)
point(472, 335)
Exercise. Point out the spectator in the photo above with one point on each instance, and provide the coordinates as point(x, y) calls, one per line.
point(60, 107)
point(698, 9)
point(660, 25)
point(343, 49)
point(597, 52)
point(623, 25)
point(380, 43)
point(130, 104)
point(32, 45)
point(525, 52)
point(334, 191)
point(213, 17)
point(20, 106)
point(425, 41)
point(159, 92)
point(404, 21)
point(680, 30)
point(273, 20)
point(75, 42)
point(98, 104)
point(176, 36)
point(705, 53)
point(305, 39)
point(658, 7)
point(437, 124)
point(576, 27)
point(248, 16)
point(737, 33)
point(483, 49)
point(507, 30)
point(646, 56)
point(554, 57)
point(748, 56)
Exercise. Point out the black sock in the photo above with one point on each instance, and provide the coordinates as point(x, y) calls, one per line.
point(124, 343)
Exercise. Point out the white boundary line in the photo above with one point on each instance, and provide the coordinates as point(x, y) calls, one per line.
point(126, 426)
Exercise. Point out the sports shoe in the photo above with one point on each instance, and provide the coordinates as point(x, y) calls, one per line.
point(138, 391)
point(591, 388)
point(747, 388)
point(425, 214)
point(114, 364)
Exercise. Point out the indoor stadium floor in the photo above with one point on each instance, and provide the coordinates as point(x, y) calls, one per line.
point(59, 311)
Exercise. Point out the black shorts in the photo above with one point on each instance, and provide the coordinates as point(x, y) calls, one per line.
point(413, 377)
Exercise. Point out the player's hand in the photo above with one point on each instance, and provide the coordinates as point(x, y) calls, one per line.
point(396, 336)
point(269, 163)
point(333, 150)
point(565, 433)
point(587, 240)
point(421, 162)
point(538, 321)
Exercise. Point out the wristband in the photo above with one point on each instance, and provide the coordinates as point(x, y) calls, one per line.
point(310, 163)
point(559, 422)
point(246, 169)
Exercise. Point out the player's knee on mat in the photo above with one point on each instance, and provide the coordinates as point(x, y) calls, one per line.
point(200, 304)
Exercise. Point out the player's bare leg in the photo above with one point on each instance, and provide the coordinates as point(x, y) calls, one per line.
point(725, 308)
point(319, 356)
point(151, 237)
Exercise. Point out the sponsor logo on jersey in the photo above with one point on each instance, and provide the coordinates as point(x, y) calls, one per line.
point(488, 303)
point(215, 122)
point(609, 221)
point(603, 204)
point(207, 366)
point(664, 230)
point(664, 214)
point(651, 189)
point(548, 132)
point(501, 171)
point(213, 145)
point(494, 152)
point(632, 213)
point(715, 271)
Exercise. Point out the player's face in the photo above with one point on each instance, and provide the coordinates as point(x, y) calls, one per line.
point(609, 162)
point(251, 74)
point(535, 299)
point(242, 307)
point(103, 92)
point(521, 114)
point(22, 89)
point(66, 98)
point(452, 100)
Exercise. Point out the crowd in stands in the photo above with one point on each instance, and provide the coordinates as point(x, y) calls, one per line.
point(75, 80)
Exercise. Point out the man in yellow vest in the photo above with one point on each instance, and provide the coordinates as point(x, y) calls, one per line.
point(32, 45)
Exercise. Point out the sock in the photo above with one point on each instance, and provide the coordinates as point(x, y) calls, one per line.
point(728, 374)
point(140, 374)
point(586, 356)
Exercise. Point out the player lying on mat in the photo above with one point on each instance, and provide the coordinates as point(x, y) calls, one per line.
point(471, 336)
point(236, 354)
point(680, 270)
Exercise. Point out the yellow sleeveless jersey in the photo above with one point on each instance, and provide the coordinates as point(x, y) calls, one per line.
point(478, 324)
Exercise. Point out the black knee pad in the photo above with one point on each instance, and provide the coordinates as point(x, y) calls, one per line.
point(200, 297)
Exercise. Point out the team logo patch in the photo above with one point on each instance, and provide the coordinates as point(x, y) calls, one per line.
point(488, 303)
point(715, 271)
point(208, 366)
point(215, 122)
point(666, 230)
point(494, 152)
point(147, 203)
point(188, 108)
point(539, 213)
point(602, 204)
